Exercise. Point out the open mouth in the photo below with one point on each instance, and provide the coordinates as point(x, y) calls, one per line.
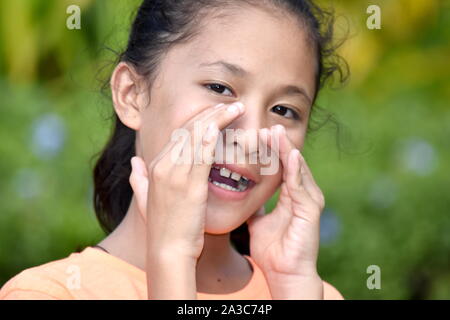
point(229, 180)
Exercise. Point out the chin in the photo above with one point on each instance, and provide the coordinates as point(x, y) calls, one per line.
point(223, 220)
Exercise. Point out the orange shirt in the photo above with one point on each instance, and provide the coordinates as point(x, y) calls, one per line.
point(96, 275)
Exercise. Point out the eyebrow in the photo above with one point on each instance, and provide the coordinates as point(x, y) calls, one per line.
point(236, 70)
point(229, 67)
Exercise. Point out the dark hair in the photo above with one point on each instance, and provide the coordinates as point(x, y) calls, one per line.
point(160, 24)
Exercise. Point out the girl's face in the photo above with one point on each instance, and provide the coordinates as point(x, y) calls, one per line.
point(250, 56)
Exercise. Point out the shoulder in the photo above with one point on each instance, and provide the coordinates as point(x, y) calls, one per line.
point(330, 292)
point(51, 280)
point(88, 275)
point(35, 283)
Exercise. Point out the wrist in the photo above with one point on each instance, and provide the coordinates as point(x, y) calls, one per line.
point(296, 287)
point(306, 271)
point(170, 255)
point(171, 276)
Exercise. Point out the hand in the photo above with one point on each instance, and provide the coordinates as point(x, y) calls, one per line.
point(285, 242)
point(173, 196)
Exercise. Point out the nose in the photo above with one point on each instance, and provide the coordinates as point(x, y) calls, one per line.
point(242, 134)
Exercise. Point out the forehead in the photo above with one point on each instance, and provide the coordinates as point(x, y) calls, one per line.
point(263, 44)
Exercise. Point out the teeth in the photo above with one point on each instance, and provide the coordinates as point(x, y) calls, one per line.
point(235, 176)
point(242, 187)
point(224, 172)
point(243, 181)
point(227, 187)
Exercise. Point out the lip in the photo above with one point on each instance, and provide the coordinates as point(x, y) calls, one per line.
point(228, 194)
point(241, 170)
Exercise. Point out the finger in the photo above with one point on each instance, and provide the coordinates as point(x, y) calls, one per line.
point(175, 138)
point(176, 152)
point(139, 183)
point(223, 115)
point(268, 155)
point(195, 129)
point(285, 147)
point(278, 141)
point(178, 158)
point(307, 208)
point(172, 154)
point(284, 197)
point(203, 115)
point(200, 172)
point(282, 146)
point(310, 183)
point(172, 146)
point(221, 119)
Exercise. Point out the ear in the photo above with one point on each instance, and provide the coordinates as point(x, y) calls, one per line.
point(127, 95)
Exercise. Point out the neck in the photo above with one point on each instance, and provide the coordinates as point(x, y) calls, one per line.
point(218, 265)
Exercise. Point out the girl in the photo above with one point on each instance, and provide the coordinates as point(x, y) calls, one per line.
point(204, 66)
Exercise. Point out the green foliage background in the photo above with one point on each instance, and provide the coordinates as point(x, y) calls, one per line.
point(386, 183)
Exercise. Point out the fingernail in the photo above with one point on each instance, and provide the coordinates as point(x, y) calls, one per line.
point(236, 107)
point(240, 105)
point(273, 129)
point(133, 163)
point(137, 167)
point(279, 128)
point(233, 108)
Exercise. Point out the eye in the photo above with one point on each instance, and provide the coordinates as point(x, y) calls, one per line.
point(218, 88)
point(286, 112)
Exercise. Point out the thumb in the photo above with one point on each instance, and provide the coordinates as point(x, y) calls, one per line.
point(139, 184)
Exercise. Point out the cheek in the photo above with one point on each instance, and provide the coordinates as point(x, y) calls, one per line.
point(160, 122)
point(272, 183)
point(155, 134)
point(297, 136)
